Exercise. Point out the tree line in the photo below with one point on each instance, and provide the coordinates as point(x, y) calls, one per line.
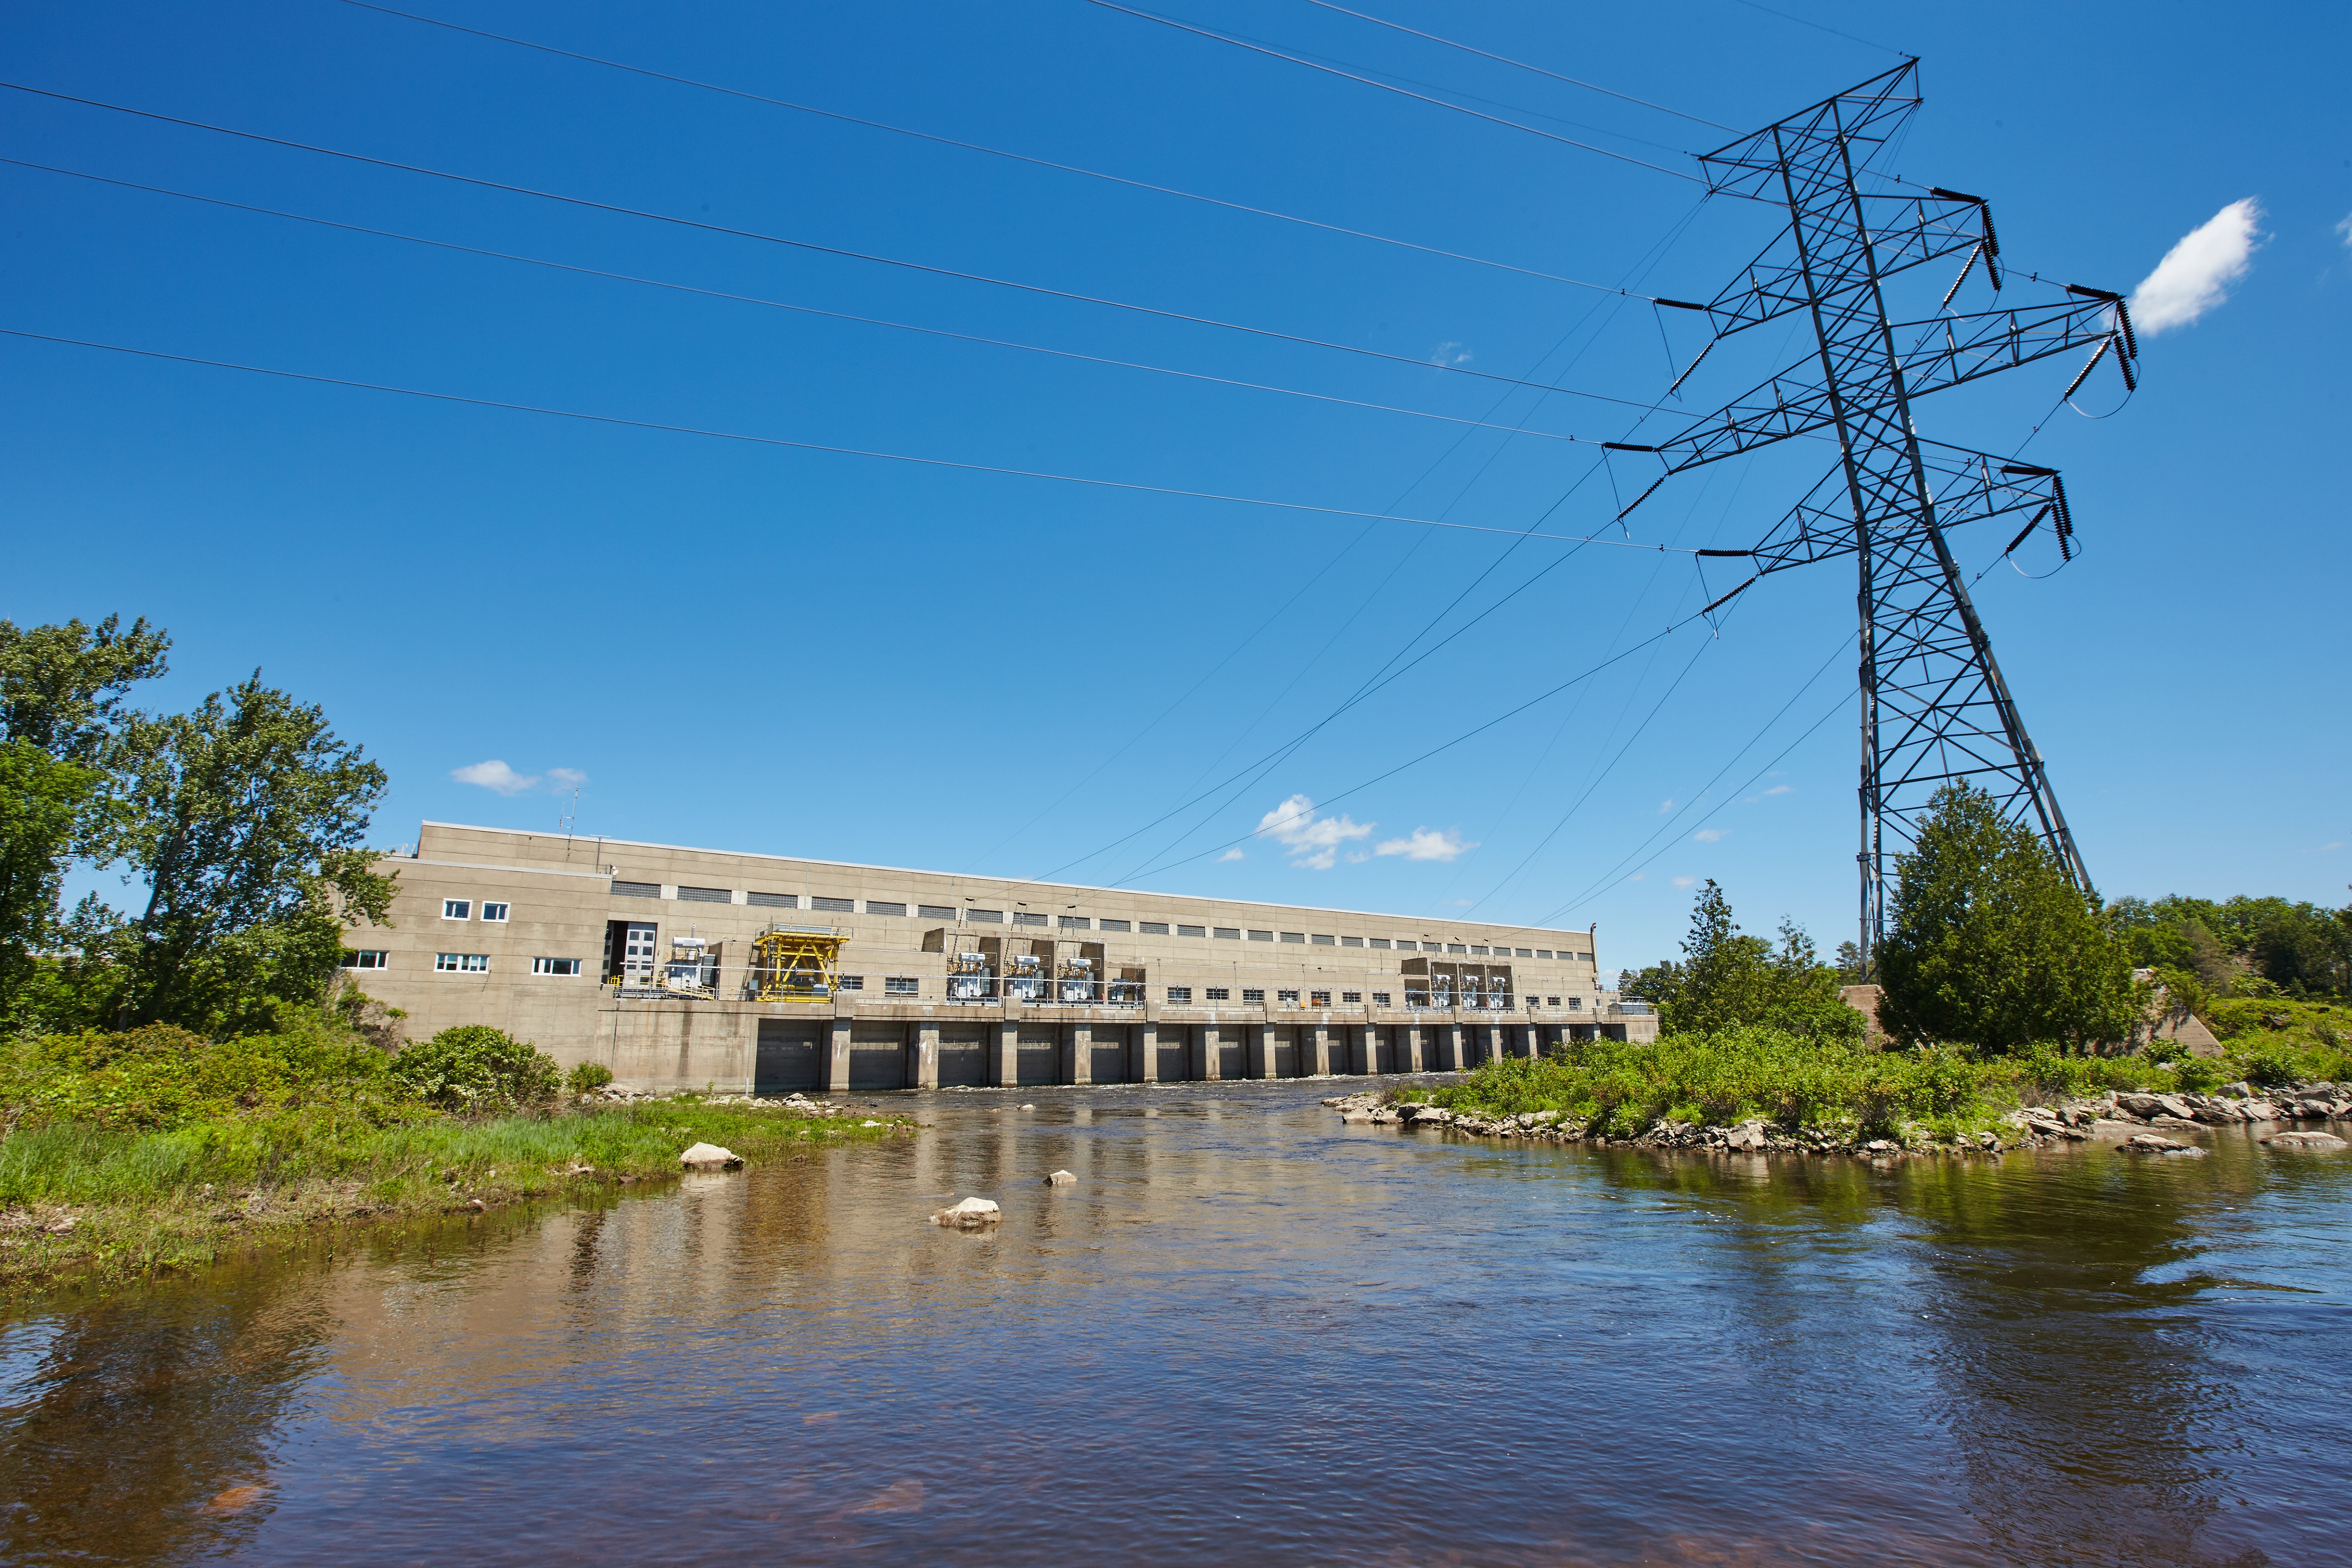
point(1992, 946)
point(239, 821)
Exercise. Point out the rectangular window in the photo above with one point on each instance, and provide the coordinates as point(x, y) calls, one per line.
point(1380, 998)
point(457, 909)
point(901, 985)
point(705, 895)
point(1286, 998)
point(1380, 941)
point(934, 912)
point(985, 917)
point(1406, 946)
point(1325, 941)
point(874, 907)
point(461, 963)
point(1114, 925)
point(641, 891)
point(1479, 949)
point(1074, 922)
point(838, 906)
point(1576, 1003)
point(1318, 998)
point(1524, 952)
point(555, 966)
point(1351, 942)
point(1180, 993)
point(1160, 928)
point(1551, 1001)
point(495, 913)
point(1261, 936)
point(773, 900)
point(1027, 918)
point(1219, 993)
point(1543, 953)
point(853, 983)
point(1251, 993)
point(1229, 934)
point(367, 958)
point(1352, 998)
point(1450, 947)
point(1296, 936)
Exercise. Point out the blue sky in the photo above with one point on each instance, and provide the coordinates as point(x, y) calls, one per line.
point(781, 649)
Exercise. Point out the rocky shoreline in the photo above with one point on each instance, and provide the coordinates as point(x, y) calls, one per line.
point(2135, 1123)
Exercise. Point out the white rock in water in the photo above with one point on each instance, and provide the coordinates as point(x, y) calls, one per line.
point(1061, 1179)
point(2303, 1141)
point(710, 1157)
point(969, 1215)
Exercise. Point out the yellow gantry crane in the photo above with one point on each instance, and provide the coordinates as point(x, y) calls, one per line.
point(797, 963)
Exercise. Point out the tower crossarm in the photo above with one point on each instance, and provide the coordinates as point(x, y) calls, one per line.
point(1967, 487)
point(1902, 231)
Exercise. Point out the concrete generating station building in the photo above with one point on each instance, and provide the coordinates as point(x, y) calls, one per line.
point(694, 968)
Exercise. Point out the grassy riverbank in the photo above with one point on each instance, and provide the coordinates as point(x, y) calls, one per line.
point(126, 1155)
point(1735, 1075)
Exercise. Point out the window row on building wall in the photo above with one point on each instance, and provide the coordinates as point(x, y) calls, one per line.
point(493, 911)
point(973, 915)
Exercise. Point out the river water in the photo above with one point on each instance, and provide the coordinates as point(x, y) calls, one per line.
point(1247, 1334)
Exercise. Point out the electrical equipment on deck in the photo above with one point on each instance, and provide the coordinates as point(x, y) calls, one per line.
point(691, 969)
point(968, 979)
point(1076, 980)
point(1025, 977)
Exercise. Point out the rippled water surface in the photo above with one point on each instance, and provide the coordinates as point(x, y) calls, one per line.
point(1246, 1335)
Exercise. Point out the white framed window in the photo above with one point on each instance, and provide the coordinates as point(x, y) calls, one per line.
point(1116, 925)
point(1479, 948)
point(1380, 998)
point(1296, 936)
point(1551, 1001)
point(1543, 953)
point(1351, 942)
point(457, 909)
point(853, 983)
point(874, 907)
point(1351, 998)
point(496, 913)
point(1323, 940)
point(367, 958)
point(1286, 998)
point(1318, 999)
point(1160, 928)
point(555, 966)
point(1380, 941)
point(1231, 933)
point(1075, 922)
point(1028, 917)
point(1454, 947)
point(1261, 936)
point(901, 985)
point(1198, 931)
point(1219, 993)
point(1180, 993)
point(1576, 1003)
point(1252, 993)
point(935, 911)
point(461, 963)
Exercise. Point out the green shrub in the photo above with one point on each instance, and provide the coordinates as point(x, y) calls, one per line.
point(587, 1078)
point(473, 1067)
point(160, 1077)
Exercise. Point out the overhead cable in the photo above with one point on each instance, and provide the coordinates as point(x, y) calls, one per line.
point(1391, 86)
point(805, 445)
point(978, 147)
point(812, 247)
point(784, 305)
point(1504, 59)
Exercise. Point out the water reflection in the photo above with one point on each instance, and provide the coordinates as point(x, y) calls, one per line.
point(1246, 1334)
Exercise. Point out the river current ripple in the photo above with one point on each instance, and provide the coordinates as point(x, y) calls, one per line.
point(1247, 1334)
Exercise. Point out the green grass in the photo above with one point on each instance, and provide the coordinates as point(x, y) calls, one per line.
point(1620, 1090)
point(146, 1201)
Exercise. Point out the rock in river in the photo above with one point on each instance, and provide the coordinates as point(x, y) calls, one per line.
point(969, 1215)
point(1061, 1179)
point(2322, 1140)
point(710, 1157)
point(2157, 1143)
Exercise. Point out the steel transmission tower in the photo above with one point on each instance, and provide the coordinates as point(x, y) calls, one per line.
point(1935, 708)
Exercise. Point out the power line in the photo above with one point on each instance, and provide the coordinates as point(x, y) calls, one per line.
point(1832, 32)
point(811, 246)
point(1390, 87)
point(813, 446)
point(978, 147)
point(1505, 59)
point(784, 305)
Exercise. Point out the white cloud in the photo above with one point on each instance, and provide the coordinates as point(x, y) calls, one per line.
point(1639, 877)
point(1665, 807)
point(561, 779)
point(2195, 274)
point(1779, 789)
point(1312, 842)
point(1426, 844)
point(1685, 881)
point(2345, 229)
point(1233, 854)
point(1450, 353)
point(1712, 835)
point(494, 775)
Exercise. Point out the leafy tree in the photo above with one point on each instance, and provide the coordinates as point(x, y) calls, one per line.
point(1727, 979)
point(245, 822)
point(1992, 946)
point(473, 1067)
point(61, 689)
